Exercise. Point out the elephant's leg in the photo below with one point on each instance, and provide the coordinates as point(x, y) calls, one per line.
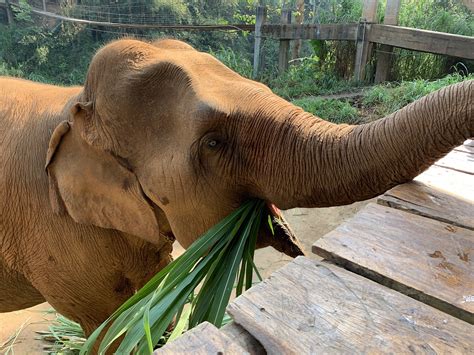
point(15, 291)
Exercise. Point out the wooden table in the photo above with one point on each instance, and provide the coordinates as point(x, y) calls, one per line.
point(396, 278)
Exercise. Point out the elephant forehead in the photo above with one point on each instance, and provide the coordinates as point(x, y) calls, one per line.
point(172, 71)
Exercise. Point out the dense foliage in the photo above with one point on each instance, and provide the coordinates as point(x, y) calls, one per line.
point(59, 52)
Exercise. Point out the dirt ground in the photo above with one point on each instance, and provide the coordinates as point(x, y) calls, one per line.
point(17, 329)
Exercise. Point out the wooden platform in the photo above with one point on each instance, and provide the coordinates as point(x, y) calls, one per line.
point(397, 278)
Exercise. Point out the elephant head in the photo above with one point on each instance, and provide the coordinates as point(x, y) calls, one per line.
point(165, 140)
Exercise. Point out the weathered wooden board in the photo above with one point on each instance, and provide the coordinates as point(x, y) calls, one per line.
point(204, 339)
point(443, 194)
point(456, 183)
point(242, 337)
point(459, 161)
point(466, 148)
point(309, 307)
point(334, 31)
point(423, 40)
point(421, 257)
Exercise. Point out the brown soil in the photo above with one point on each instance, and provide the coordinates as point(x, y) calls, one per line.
point(308, 224)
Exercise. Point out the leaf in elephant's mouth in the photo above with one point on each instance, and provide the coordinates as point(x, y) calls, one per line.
point(219, 258)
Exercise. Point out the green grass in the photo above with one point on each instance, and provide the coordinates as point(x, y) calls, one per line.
point(64, 336)
point(220, 258)
point(389, 98)
point(376, 102)
point(337, 111)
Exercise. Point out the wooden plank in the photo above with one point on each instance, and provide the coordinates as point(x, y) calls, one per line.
point(362, 51)
point(369, 10)
point(392, 10)
point(204, 339)
point(243, 338)
point(465, 148)
point(284, 43)
point(459, 161)
point(309, 307)
point(423, 258)
point(261, 17)
point(423, 40)
point(363, 47)
point(343, 32)
point(442, 194)
point(453, 182)
point(384, 53)
point(10, 17)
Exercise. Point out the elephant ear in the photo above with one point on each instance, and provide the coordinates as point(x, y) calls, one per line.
point(93, 187)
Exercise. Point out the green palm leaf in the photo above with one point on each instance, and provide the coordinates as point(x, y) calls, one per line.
point(214, 261)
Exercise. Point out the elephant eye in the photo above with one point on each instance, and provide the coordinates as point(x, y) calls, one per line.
point(213, 143)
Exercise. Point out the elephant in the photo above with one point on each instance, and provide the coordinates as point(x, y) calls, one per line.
point(161, 143)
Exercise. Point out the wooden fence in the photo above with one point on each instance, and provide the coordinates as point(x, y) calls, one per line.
point(365, 34)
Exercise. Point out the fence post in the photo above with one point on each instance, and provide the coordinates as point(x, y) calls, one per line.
point(9, 12)
point(384, 56)
point(44, 5)
point(364, 48)
point(284, 43)
point(299, 19)
point(257, 51)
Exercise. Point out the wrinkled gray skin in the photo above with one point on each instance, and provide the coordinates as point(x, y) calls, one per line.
point(162, 142)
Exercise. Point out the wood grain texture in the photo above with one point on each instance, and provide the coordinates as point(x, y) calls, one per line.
point(243, 338)
point(421, 257)
point(309, 307)
point(423, 40)
point(442, 194)
point(466, 148)
point(459, 161)
point(202, 340)
point(341, 32)
point(384, 54)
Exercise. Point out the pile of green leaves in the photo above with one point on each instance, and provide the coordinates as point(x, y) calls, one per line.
point(64, 335)
point(215, 261)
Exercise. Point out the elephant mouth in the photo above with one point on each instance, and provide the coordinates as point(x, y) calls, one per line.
point(282, 237)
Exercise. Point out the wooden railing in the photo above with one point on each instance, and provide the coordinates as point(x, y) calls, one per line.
point(365, 34)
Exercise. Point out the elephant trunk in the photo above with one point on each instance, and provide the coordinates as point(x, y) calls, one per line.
point(324, 164)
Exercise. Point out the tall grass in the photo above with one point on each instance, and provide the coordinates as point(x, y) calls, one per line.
point(375, 102)
point(390, 97)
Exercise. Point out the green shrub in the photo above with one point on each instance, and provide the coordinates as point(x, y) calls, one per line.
point(306, 79)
